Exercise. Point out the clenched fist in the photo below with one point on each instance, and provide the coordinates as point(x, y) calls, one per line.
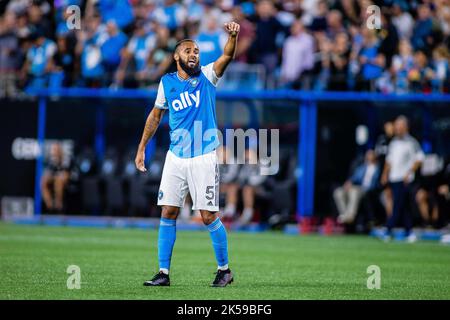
point(232, 28)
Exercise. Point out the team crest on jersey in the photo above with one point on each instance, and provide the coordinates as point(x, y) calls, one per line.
point(194, 82)
point(160, 194)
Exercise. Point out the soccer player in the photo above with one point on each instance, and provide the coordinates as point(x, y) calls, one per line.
point(191, 163)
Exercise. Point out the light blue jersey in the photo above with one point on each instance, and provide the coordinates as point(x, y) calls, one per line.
point(192, 112)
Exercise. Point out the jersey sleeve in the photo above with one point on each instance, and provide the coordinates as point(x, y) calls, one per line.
point(161, 102)
point(210, 74)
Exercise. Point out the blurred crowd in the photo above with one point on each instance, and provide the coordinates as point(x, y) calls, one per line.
point(300, 44)
point(396, 184)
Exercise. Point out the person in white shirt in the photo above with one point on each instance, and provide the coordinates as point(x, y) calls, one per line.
point(403, 159)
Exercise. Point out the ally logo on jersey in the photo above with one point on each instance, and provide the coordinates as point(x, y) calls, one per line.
point(186, 100)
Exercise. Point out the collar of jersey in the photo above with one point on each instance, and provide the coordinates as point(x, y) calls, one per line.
point(181, 79)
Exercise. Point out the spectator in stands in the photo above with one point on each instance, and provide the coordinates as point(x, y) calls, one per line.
point(89, 42)
point(421, 73)
point(402, 20)
point(246, 34)
point(334, 24)
point(402, 161)
point(172, 15)
point(371, 60)
point(161, 57)
point(137, 51)
point(363, 181)
point(337, 60)
point(298, 56)
point(402, 63)
point(441, 70)
point(423, 28)
point(119, 11)
point(37, 64)
point(268, 28)
point(55, 178)
point(443, 17)
point(9, 55)
point(211, 42)
point(111, 50)
point(62, 64)
point(319, 22)
point(389, 39)
point(211, 11)
point(37, 20)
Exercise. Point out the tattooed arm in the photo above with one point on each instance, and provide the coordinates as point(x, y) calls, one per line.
point(152, 123)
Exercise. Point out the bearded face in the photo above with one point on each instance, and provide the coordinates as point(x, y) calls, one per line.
point(188, 58)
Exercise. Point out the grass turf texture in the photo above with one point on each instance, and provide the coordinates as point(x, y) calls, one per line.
point(115, 262)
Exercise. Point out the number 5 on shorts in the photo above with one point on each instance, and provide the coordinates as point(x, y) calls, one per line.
point(210, 192)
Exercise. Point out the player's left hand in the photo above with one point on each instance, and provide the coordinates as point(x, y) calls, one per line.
point(232, 28)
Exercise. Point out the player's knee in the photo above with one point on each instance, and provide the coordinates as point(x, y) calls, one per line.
point(168, 212)
point(208, 217)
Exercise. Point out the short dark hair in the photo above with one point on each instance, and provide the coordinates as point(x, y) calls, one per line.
point(179, 43)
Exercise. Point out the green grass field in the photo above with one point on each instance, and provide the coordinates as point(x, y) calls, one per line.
point(115, 262)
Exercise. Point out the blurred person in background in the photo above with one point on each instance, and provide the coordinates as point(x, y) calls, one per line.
point(88, 50)
point(119, 11)
point(362, 183)
point(229, 172)
point(10, 55)
point(160, 58)
point(424, 35)
point(298, 56)
point(111, 50)
point(62, 64)
point(402, 19)
point(443, 196)
point(402, 63)
point(55, 178)
point(389, 39)
point(426, 195)
point(371, 60)
point(319, 22)
point(250, 180)
point(441, 70)
point(264, 49)
point(402, 161)
point(37, 19)
point(246, 35)
point(334, 23)
point(38, 61)
point(420, 74)
point(137, 51)
point(210, 41)
point(336, 60)
point(381, 151)
point(171, 14)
